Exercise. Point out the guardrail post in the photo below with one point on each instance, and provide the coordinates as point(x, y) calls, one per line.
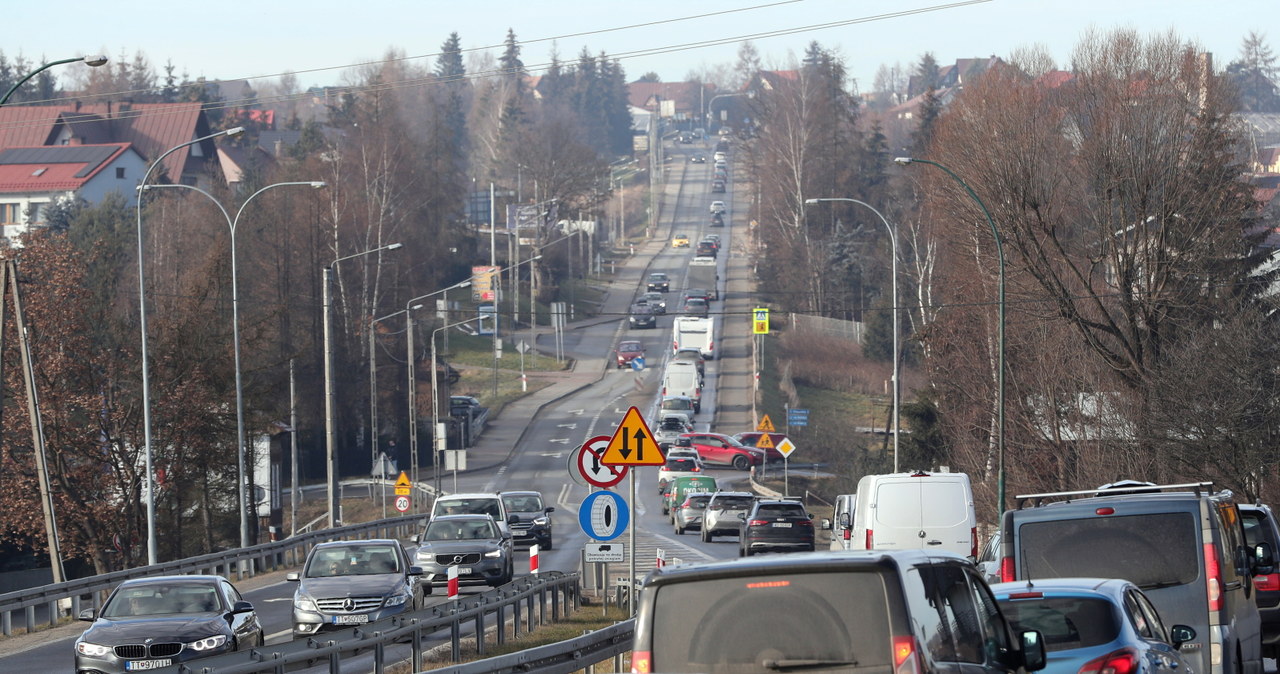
point(455, 635)
point(6, 623)
point(502, 623)
point(30, 615)
point(555, 601)
point(379, 650)
point(515, 622)
point(532, 615)
point(480, 633)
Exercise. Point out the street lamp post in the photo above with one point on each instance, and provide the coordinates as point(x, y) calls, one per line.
point(241, 445)
point(413, 377)
point(1000, 472)
point(897, 356)
point(142, 321)
point(373, 399)
point(330, 413)
point(93, 61)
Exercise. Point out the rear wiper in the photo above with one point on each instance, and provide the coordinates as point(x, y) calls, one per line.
point(796, 665)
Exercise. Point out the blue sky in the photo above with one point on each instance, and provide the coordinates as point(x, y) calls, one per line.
point(235, 39)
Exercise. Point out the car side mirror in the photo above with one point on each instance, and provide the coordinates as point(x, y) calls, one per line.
point(241, 607)
point(415, 571)
point(88, 615)
point(416, 539)
point(550, 509)
point(825, 524)
point(1180, 634)
point(1033, 658)
point(1263, 559)
point(742, 516)
point(293, 576)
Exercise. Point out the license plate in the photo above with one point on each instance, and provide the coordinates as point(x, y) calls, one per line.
point(782, 525)
point(464, 571)
point(139, 665)
point(357, 619)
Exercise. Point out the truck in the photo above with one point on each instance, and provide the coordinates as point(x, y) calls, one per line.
point(694, 333)
point(702, 274)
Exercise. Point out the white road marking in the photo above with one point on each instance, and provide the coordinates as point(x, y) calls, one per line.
point(576, 412)
point(563, 441)
point(572, 427)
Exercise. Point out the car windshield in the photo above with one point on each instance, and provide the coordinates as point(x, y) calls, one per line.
point(1066, 622)
point(157, 600)
point(1150, 550)
point(780, 510)
point(522, 503)
point(630, 347)
point(677, 404)
point(698, 501)
point(839, 620)
point(672, 423)
point(460, 530)
point(657, 277)
point(468, 506)
point(732, 503)
point(353, 560)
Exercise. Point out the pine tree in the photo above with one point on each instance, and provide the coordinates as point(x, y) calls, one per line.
point(1254, 73)
point(449, 66)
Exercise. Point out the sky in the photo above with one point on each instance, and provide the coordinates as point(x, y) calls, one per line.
point(320, 39)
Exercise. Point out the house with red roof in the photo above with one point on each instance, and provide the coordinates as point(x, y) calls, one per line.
point(679, 101)
point(33, 178)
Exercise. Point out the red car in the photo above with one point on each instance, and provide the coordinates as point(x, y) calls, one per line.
point(717, 448)
point(627, 352)
point(752, 439)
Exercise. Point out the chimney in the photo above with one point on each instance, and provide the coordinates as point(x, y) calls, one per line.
point(279, 148)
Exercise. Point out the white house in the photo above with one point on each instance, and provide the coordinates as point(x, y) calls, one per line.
point(32, 178)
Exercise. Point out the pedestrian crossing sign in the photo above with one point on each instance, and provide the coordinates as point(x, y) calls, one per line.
point(765, 425)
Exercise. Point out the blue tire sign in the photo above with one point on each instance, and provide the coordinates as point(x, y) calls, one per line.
point(603, 515)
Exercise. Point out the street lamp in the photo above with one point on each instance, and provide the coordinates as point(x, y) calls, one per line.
point(897, 393)
point(330, 421)
point(243, 492)
point(142, 320)
point(1000, 473)
point(413, 376)
point(93, 61)
point(373, 398)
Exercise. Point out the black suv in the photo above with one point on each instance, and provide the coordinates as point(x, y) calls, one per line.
point(1183, 545)
point(776, 525)
point(891, 611)
point(658, 282)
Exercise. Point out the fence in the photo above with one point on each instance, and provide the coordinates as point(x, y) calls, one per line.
point(829, 327)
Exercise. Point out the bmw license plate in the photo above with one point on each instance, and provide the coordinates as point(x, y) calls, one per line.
point(782, 525)
point(139, 665)
point(356, 619)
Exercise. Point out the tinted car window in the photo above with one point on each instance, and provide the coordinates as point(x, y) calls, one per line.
point(1159, 549)
point(926, 614)
point(780, 510)
point(681, 464)
point(522, 503)
point(735, 624)
point(961, 615)
point(732, 502)
point(1065, 622)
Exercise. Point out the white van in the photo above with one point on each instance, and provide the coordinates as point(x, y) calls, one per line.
point(932, 511)
point(682, 379)
point(690, 332)
point(842, 529)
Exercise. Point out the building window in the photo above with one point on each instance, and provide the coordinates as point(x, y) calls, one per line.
point(119, 173)
point(10, 214)
point(36, 213)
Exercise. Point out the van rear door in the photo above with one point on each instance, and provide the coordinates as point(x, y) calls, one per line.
point(931, 512)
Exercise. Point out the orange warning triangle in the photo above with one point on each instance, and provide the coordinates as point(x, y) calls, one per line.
point(403, 480)
point(765, 442)
point(765, 425)
point(632, 444)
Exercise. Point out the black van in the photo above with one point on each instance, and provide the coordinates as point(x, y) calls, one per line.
point(874, 611)
point(1182, 544)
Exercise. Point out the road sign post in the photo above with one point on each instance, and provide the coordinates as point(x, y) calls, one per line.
point(632, 444)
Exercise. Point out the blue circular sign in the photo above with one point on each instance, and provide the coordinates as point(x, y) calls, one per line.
point(603, 515)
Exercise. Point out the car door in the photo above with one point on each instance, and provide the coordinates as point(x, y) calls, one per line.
point(713, 450)
point(245, 625)
point(1159, 654)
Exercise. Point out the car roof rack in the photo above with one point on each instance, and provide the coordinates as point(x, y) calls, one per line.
point(1038, 499)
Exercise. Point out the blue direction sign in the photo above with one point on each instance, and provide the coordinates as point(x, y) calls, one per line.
point(797, 417)
point(604, 515)
point(637, 363)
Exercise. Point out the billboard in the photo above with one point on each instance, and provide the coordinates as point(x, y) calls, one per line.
point(484, 283)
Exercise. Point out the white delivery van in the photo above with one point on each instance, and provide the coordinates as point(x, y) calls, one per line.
point(682, 379)
point(694, 333)
point(842, 526)
point(931, 511)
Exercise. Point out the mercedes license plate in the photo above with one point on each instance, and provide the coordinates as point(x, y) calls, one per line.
point(139, 665)
point(356, 619)
point(782, 525)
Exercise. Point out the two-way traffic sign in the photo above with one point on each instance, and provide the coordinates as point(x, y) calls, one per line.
point(632, 444)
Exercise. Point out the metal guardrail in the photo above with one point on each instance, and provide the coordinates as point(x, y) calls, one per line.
point(562, 657)
point(241, 562)
point(525, 601)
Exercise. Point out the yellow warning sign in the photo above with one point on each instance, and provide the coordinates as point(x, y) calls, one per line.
point(765, 442)
point(765, 425)
point(759, 321)
point(402, 484)
point(632, 444)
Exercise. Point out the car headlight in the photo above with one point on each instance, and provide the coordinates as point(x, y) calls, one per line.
point(493, 554)
point(93, 650)
point(542, 521)
point(397, 599)
point(305, 604)
point(207, 643)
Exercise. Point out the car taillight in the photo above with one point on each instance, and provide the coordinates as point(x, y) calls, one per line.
point(848, 534)
point(805, 523)
point(696, 470)
point(757, 523)
point(869, 538)
point(1123, 661)
point(641, 662)
point(973, 542)
point(1006, 570)
point(1267, 583)
point(906, 659)
point(1214, 574)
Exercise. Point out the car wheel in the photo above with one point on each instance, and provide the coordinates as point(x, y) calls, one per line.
point(749, 551)
point(546, 544)
point(707, 536)
point(679, 529)
point(741, 462)
point(427, 590)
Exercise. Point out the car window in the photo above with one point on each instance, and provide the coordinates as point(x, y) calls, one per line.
point(1231, 554)
point(1152, 616)
point(780, 510)
point(230, 592)
point(474, 506)
point(731, 502)
point(1137, 617)
point(522, 503)
point(927, 614)
point(681, 464)
point(697, 501)
point(735, 624)
point(1148, 550)
point(359, 560)
point(1065, 622)
point(961, 614)
point(996, 636)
